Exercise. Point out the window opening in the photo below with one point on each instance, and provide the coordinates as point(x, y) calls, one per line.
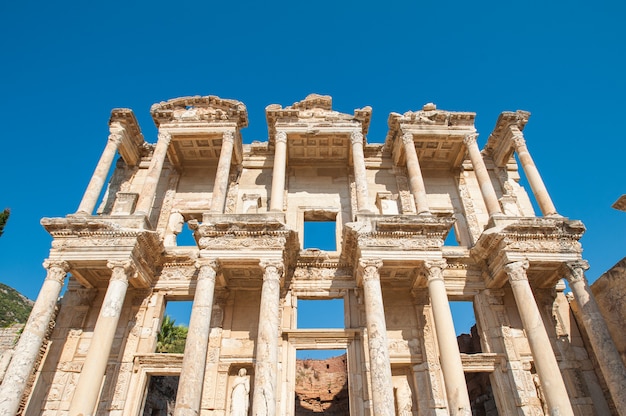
point(465, 326)
point(185, 237)
point(320, 313)
point(321, 382)
point(320, 230)
point(482, 400)
point(174, 327)
point(160, 396)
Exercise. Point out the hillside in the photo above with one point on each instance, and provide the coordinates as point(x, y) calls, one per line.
point(14, 307)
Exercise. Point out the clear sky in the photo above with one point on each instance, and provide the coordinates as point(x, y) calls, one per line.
point(65, 65)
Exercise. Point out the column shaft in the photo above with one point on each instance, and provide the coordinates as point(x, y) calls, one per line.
point(540, 347)
point(449, 355)
point(278, 174)
point(144, 203)
point(223, 171)
point(265, 377)
point(609, 359)
point(360, 173)
point(486, 187)
point(90, 198)
point(380, 367)
point(90, 379)
point(416, 180)
point(29, 344)
point(532, 174)
point(189, 395)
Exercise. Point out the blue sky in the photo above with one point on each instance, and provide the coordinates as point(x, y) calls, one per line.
point(65, 65)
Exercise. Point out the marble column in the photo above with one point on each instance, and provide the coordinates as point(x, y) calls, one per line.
point(28, 347)
point(146, 197)
point(486, 187)
point(545, 361)
point(278, 174)
point(360, 174)
point(189, 394)
point(266, 366)
point(90, 379)
point(223, 171)
point(416, 180)
point(449, 355)
point(380, 367)
point(608, 356)
point(532, 174)
point(90, 198)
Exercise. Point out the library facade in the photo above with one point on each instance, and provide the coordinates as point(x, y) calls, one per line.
point(416, 224)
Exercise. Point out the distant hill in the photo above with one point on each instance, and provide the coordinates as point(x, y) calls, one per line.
point(14, 307)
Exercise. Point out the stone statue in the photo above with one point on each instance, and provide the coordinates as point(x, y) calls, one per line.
point(404, 399)
point(174, 227)
point(239, 400)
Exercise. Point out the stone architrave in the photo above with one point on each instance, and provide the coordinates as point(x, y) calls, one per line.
point(449, 355)
point(90, 380)
point(265, 377)
point(360, 173)
point(146, 197)
point(416, 180)
point(532, 174)
point(486, 187)
point(611, 363)
point(380, 368)
point(29, 344)
point(90, 198)
point(545, 362)
point(189, 395)
point(223, 171)
point(278, 174)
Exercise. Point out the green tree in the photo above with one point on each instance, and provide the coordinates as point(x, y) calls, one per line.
point(171, 337)
point(4, 217)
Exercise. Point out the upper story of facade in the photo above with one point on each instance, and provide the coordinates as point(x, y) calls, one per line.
point(427, 183)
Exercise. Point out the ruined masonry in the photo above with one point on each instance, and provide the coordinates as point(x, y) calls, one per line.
point(422, 221)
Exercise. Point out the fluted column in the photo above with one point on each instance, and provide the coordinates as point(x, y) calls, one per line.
point(90, 198)
point(189, 395)
point(278, 174)
point(223, 170)
point(532, 174)
point(265, 377)
point(380, 367)
point(29, 344)
point(545, 361)
point(603, 346)
point(360, 174)
point(486, 187)
point(416, 180)
point(90, 379)
point(144, 203)
point(449, 355)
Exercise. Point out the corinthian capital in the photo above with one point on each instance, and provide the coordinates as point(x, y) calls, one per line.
point(57, 270)
point(470, 139)
point(369, 268)
point(228, 136)
point(281, 137)
point(356, 137)
point(576, 270)
point(517, 270)
point(207, 268)
point(164, 136)
point(272, 268)
point(122, 269)
point(435, 268)
point(407, 138)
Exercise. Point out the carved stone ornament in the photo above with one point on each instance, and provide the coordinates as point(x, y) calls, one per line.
point(517, 270)
point(576, 270)
point(122, 270)
point(356, 137)
point(273, 269)
point(207, 268)
point(470, 139)
point(369, 268)
point(57, 270)
point(407, 139)
point(281, 137)
point(435, 269)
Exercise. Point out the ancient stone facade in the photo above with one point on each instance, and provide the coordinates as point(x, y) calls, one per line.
point(393, 206)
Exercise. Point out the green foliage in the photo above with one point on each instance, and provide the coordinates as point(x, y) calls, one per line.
point(14, 308)
point(171, 337)
point(4, 217)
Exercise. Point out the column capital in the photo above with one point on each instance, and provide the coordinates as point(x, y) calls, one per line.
point(369, 268)
point(517, 137)
point(407, 138)
point(164, 136)
point(576, 270)
point(228, 136)
point(272, 268)
point(356, 137)
point(57, 270)
point(122, 269)
point(280, 137)
point(115, 136)
point(207, 268)
point(435, 268)
point(517, 270)
point(470, 139)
